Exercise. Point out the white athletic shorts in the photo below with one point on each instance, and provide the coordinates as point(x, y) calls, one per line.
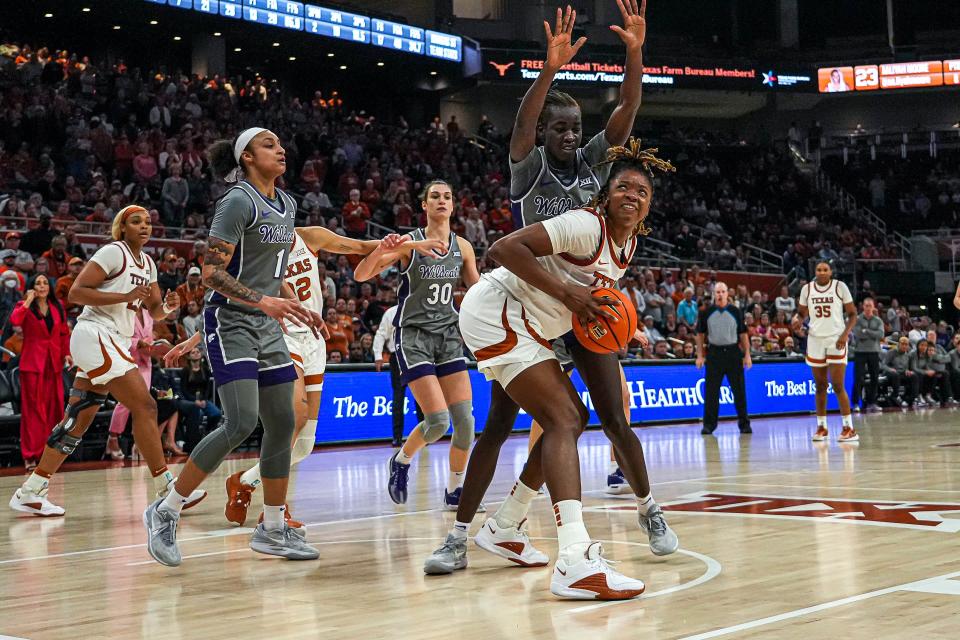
point(502, 337)
point(100, 353)
point(822, 351)
point(309, 354)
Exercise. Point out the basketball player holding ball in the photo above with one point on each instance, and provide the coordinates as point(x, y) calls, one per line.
point(548, 274)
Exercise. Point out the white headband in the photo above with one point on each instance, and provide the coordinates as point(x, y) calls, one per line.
point(244, 139)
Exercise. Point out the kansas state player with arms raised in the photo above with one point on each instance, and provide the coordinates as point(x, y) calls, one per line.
point(548, 180)
point(429, 346)
point(250, 239)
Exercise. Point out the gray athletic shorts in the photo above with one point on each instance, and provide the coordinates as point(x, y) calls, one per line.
point(562, 352)
point(429, 353)
point(246, 346)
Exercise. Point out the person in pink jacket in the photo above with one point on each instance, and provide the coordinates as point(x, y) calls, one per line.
point(140, 348)
point(46, 348)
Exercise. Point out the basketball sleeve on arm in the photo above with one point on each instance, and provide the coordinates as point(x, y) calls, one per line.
point(576, 233)
point(111, 259)
point(524, 173)
point(232, 216)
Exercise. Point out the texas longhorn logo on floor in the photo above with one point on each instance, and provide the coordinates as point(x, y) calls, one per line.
point(924, 516)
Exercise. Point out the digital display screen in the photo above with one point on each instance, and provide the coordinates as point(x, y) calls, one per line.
point(332, 23)
point(894, 75)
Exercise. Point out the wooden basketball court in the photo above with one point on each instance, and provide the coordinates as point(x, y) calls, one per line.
point(779, 539)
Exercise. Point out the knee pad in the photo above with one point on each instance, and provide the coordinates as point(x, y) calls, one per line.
point(434, 425)
point(61, 437)
point(303, 446)
point(461, 414)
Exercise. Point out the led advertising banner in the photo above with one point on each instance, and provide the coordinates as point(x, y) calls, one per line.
point(356, 406)
point(507, 65)
point(331, 23)
point(894, 75)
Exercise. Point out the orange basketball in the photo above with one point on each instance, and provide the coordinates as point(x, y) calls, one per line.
point(603, 335)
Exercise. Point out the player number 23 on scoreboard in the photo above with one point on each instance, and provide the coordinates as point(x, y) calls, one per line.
point(866, 77)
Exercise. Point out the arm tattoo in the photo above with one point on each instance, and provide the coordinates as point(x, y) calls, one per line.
point(218, 257)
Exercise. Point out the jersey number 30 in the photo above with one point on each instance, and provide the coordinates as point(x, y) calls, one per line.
point(821, 311)
point(440, 293)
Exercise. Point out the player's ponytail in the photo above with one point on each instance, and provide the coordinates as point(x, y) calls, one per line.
point(222, 162)
point(629, 158)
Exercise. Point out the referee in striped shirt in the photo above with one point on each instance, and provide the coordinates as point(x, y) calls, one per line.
point(722, 332)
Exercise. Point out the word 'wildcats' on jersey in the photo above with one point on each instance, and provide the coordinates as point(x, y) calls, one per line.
point(427, 286)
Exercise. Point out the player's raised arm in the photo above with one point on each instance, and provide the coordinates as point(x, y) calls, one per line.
point(560, 51)
point(632, 34)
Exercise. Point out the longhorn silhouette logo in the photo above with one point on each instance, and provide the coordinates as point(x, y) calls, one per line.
point(501, 68)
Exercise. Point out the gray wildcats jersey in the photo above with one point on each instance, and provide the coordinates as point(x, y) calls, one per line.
point(426, 288)
point(261, 231)
point(537, 193)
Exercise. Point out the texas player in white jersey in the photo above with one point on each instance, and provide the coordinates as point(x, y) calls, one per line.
point(547, 274)
point(825, 301)
point(307, 350)
point(118, 280)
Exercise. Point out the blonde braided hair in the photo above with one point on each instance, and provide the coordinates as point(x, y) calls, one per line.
point(631, 156)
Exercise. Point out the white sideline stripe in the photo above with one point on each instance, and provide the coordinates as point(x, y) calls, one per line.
point(11, 638)
point(753, 624)
point(243, 530)
point(821, 487)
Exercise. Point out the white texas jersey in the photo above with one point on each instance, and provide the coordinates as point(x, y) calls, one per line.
point(825, 307)
point(124, 273)
point(585, 255)
point(303, 276)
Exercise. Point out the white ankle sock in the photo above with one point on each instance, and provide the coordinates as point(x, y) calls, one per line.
point(403, 458)
point(173, 503)
point(847, 421)
point(514, 509)
point(162, 480)
point(252, 476)
point(273, 517)
point(822, 421)
point(460, 529)
point(36, 484)
point(645, 504)
point(455, 480)
point(612, 467)
point(571, 532)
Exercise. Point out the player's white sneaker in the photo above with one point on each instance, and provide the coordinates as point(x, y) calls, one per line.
point(592, 579)
point(34, 504)
point(849, 435)
point(821, 434)
point(510, 543)
point(195, 496)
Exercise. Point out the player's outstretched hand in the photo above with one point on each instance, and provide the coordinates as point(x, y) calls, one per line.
point(560, 46)
point(634, 30)
point(173, 356)
point(284, 309)
point(392, 241)
point(581, 301)
point(429, 247)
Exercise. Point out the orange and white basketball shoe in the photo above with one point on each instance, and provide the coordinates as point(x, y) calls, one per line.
point(821, 434)
point(34, 503)
point(592, 579)
point(238, 499)
point(296, 525)
point(510, 543)
point(849, 434)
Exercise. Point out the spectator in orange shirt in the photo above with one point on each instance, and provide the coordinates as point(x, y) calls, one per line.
point(338, 339)
point(355, 215)
point(370, 196)
point(57, 256)
point(64, 283)
point(192, 289)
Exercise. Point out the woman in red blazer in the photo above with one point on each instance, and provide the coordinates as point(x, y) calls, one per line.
point(46, 348)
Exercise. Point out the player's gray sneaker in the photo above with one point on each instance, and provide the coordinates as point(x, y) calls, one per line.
point(162, 534)
point(451, 555)
point(286, 543)
point(663, 541)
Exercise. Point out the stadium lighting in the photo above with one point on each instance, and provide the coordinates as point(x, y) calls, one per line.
point(48, 15)
point(343, 67)
point(433, 73)
point(276, 44)
point(116, 27)
point(330, 55)
point(217, 34)
point(86, 9)
point(177, 38)
point(153, 22)
point(237, 49)
point(379, 64)
point(292, 58)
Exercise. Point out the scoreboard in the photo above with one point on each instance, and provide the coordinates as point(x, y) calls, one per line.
point(331, 23)
point(894, 75)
